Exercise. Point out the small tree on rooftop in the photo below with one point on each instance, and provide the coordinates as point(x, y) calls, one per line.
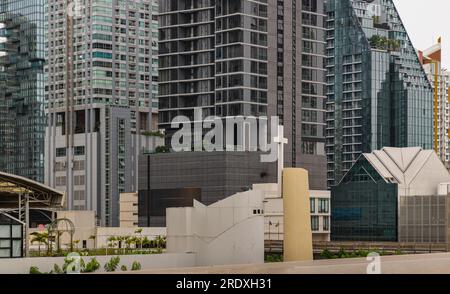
point(40, 238)
point(93, 237)
point(139, 239)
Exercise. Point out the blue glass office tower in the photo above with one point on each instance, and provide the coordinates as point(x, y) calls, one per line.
point(22, 117)
point(378, 94)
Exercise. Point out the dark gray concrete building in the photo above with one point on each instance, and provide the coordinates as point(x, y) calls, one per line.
point(296, 82)
point(217, 174)
point(248, 57)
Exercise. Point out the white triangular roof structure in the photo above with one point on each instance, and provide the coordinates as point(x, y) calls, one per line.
point(415, 170)
point(399, 165)
point(403, 157)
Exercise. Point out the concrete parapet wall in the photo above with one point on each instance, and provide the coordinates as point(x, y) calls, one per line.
point(149, 261)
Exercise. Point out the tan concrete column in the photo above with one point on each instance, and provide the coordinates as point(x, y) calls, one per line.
point(297, 218)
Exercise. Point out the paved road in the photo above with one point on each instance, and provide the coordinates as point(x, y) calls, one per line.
point(437, 263)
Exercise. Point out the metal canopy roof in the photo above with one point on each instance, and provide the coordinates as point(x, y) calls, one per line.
point(13, 188)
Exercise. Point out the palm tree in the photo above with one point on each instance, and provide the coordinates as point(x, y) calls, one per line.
point(136, 241)
point(123, 243)
point(160, 242)
point(111, 243)
point(75, 244)
point(40, 238)
point(139, 231)
point(93, 237)
point(72, 246)
point(146, 241)
point(141, 241)
point(129, 241)
point(119, 243)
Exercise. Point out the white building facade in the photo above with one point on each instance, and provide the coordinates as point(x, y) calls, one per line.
point(101, 99)
point(320, 203)
point(230, 231)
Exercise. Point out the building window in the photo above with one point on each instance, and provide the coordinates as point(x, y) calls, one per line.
point(78, 165)
point(257, 211)
point(79, 150)
point(79, 180)
point(60, 152)
point(314, 223)
point(309, 147)
point(324, 205)
point(312, 205)
point(79, 195)
point(10, 240)
point(326, 223)
point(84, 244)
point(60, 181)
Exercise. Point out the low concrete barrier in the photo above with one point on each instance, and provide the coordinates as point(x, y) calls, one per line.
point(147, 261)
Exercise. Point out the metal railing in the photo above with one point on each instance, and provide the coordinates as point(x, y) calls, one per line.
point(276, 246)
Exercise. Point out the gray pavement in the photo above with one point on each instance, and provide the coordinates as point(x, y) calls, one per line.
point(437, 263)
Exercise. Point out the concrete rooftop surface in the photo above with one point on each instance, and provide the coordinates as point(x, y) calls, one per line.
point(437, 263)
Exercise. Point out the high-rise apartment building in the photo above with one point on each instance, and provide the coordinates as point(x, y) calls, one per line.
point(296, 82)
point(22, 116)
point(378, 93)
point(101, 81)
point(250, 58)
point(439, 77)
point(213, 55)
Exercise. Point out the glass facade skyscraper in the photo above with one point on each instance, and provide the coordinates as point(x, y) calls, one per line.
point(22, 116)
point(378, 94)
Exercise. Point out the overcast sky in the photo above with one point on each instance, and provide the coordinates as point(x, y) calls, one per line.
point(425, 21)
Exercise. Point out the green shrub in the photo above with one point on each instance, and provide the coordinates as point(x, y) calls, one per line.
point(327, 254)
point(342, 253)
point(383, 43)
point(57, 270)
point(274, 258)
point(123, 268)
point(92, 266)
point(162, 149)
point(67, 266)
point(112, 264)
point(153, 134)
point(362, 253)
point(34, 270)
point(136, 266)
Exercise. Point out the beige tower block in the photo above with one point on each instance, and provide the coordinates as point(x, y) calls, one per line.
point(297, 220)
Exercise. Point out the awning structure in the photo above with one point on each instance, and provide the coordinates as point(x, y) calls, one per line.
point(19, 195)
point(14, 189)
